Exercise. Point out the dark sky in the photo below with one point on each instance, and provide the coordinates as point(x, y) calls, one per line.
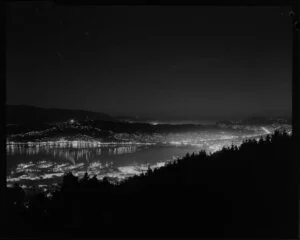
point(158, 62)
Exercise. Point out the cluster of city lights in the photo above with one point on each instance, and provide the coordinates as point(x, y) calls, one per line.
point(85, 156)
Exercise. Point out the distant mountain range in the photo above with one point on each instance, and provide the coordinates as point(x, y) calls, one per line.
point(24, 114)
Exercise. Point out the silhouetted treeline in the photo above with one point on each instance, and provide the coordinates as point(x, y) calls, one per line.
point(250, 191)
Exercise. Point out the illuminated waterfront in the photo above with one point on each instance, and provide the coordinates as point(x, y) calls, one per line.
point(45, 162)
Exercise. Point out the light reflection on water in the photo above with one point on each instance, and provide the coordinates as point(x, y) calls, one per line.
point(32, 164)
point(46, 162)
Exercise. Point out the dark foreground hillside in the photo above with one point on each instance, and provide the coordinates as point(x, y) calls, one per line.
point(245, 192)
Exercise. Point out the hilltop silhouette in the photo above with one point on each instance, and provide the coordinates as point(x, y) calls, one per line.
point(24, 114)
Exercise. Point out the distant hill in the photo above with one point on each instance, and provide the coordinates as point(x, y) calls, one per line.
point(23, 114)
point(128, 118)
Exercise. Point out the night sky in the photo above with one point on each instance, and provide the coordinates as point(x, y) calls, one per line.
point(155, 62)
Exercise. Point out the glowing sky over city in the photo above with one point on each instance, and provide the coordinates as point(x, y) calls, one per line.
point(158, 62)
